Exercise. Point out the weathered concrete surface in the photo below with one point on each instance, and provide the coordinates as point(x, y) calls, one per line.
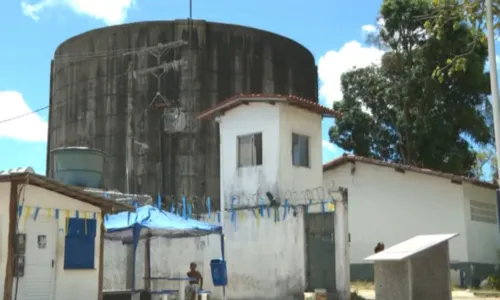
point(424, 275)
point(92, 86)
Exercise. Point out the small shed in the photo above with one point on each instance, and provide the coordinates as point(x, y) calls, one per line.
point(51, 238)
point(418, 268)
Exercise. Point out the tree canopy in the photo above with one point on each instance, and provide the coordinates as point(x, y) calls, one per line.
point(397, 111)
point(455, 13)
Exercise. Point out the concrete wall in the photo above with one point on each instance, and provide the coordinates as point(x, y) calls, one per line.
point(265, 259)
point(69, 284)
point(429, 276)
point(91, 96)
point(389, 206)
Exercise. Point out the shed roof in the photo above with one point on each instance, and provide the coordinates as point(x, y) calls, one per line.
point(242, 99)
point(453, 177)
point(411, 247)
point(107, 205)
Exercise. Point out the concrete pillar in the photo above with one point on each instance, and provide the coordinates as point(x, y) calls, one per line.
point(342, 251)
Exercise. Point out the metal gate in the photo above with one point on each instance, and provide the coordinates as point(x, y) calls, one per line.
point(320, 251)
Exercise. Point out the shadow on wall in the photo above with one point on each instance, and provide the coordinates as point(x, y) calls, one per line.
point(124, 295)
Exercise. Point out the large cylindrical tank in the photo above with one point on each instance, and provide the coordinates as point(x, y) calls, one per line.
point(79, 166)
point(99, 98)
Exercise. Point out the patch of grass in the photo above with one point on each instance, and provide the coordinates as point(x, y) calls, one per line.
point(362, 285)
point(355, 296)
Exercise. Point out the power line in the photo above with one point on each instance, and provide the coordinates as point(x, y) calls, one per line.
point(24, 115)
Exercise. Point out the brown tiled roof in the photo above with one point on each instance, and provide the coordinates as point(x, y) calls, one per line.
point(241, 99)
point(454, 178)
point(107, 205)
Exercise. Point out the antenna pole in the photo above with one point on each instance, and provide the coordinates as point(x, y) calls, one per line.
point(190, 9)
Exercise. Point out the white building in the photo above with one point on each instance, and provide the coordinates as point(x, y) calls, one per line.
point(51, 239)
point(391, 203)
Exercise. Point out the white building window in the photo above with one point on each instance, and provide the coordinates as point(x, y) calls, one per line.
point(250, 150)
point(300, 150)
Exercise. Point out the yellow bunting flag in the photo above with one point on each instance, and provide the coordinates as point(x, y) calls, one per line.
point(49, 213)
point(67, 212)
point(257, 215)
point(241, 215)
point(85, 221)
point(28, 213)
point(331, 206)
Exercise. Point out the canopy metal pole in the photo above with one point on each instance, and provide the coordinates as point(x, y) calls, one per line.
point(135, 237)
point(222, 202)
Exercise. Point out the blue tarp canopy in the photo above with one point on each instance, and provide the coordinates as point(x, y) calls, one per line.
point(149, 221)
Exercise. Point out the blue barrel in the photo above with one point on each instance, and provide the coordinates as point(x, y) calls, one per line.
point(219, 272)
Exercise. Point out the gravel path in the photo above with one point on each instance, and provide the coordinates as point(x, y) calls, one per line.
point(457, 295)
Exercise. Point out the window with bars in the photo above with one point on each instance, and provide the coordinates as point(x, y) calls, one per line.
point(250, 150)
point(300, 150)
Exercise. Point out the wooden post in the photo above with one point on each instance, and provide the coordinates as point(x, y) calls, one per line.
point(9, 270)
point(101, 259)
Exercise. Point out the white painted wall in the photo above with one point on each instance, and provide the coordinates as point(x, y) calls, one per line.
point(70, 284)
point(265, 260)
point(277, 174)
point(388, 206)
point(295, 181)
point(482, 238)
point(248, 182)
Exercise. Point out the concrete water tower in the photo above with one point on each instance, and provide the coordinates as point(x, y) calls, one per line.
point(78, 166)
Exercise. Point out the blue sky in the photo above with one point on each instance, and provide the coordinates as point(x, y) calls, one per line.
point(32, 29)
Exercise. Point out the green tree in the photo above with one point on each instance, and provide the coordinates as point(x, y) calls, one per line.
point(485, 157)
point(455, 13)
point(398, 112)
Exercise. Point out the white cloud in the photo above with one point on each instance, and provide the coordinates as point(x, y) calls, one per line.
point(334, 63)
point(369, 28)
point(109, 11)
point(328, 146)
point(29, 128)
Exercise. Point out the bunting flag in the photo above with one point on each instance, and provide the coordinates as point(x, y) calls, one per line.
point(261, 207)
point(233, 212)
point(184, 207)
point(158, 201)
point(208, 206)
point(323, 206)
point(285, 210)
point(331, 206)
point(258, 215)
point(28, 212)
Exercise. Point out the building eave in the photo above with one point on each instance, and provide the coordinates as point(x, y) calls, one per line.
point(400, 167)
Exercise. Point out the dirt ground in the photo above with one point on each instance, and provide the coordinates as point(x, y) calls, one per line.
point(367, 291)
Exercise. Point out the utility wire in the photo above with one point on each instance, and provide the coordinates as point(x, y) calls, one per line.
point(24, 115)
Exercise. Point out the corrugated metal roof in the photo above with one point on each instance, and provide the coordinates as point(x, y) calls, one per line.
point(411, 247)
point(17, 171)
